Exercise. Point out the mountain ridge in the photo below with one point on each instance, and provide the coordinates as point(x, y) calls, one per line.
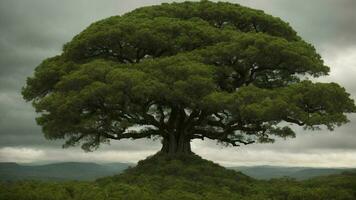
point(88, 171)
point(84, 171)
point(300, 173)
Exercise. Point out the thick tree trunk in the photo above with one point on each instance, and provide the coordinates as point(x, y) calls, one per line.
point(176, 144)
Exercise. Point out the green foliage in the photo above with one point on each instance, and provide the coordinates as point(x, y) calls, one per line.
point(185, 71)
point(184, 177)
point(221, 15)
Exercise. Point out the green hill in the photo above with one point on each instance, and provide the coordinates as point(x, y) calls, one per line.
point(184, 178)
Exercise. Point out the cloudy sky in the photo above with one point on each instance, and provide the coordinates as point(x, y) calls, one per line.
point(32, 30)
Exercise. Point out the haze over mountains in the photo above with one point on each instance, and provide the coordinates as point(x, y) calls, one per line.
point(299, 173)
point(87, 171)
point(60, 171)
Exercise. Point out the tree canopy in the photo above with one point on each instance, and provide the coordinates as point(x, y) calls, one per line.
point(185, 71)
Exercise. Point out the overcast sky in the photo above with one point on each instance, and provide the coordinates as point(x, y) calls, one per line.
point(32, 30)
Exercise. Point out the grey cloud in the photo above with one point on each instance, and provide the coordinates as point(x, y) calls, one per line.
point(45, 155)
point(32, 31)
point(325, 23)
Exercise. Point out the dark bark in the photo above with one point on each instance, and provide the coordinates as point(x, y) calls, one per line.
point(176, 144)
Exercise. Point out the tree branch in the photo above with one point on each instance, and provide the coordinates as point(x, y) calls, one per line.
point(220, 136)
point(294, 121)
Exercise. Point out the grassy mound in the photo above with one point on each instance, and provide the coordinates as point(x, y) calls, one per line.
point(192, 167)
point(183, 178)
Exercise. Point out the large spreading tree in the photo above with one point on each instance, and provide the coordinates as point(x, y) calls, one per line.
point(185, 71)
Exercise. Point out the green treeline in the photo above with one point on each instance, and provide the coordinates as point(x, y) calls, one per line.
point(185, 177)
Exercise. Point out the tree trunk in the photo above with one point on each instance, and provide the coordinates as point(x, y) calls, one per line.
point(176, 144)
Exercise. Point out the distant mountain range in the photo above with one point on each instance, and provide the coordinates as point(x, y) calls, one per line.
point(60, 171)
point(299, 173)
point(91, 171)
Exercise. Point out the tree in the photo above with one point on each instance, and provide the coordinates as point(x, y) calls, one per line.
point(185, 71)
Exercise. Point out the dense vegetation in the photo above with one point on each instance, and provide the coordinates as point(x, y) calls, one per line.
point(184, 177)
